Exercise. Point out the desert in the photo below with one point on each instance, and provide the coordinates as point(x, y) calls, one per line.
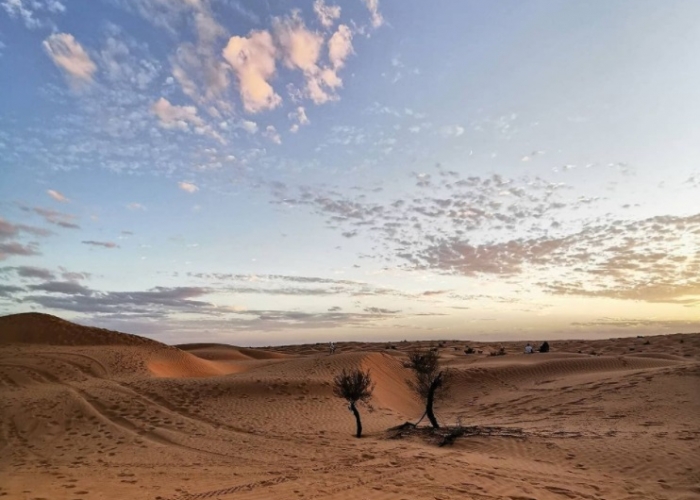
point(88, 413)
point(340, 250)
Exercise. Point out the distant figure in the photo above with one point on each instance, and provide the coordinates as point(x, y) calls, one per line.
point(528, 349)
point(544, 347)
point(332, 348)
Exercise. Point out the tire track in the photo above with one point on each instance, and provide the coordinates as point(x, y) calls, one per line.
point(264, 483)
point(93, 404)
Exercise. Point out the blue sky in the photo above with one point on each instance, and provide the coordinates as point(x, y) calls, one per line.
point(279, 172)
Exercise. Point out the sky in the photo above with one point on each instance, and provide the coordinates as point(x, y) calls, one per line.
point(285, 171)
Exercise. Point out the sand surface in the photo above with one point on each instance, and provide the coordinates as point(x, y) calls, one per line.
point(91, 414)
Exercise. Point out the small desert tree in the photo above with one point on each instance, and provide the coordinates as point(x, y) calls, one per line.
point(353, 386)
point(429, 378)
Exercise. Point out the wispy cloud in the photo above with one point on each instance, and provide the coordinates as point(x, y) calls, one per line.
point(30, 272)
point(57, 196)
point(327, 14)
point(466, 205)
point(126, 63)
point(27, 11)
point(54, 217)
point(71, 57)
point(10, 230)
point(157, 302)
point(276, 284)
point(62, 287)
point(18, 249)
point(190, 71)
point(166, 302)
point(74, 275)
point(373, 7)
point(298, 116)
point(510, 228)
point(197, 66)
point(640, 322)
point(172, 116)
point(10, 291)
point(452, 131)
point(272, 134)
point(188, 187)
point(184, 118)
point(103, 244)
point(301, 49)
point(381, 311)
point(532, 155)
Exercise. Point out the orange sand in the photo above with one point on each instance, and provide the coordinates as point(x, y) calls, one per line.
point(87, 413)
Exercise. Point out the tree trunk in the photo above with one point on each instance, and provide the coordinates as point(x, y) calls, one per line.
point(357, 419)
point(431, 399)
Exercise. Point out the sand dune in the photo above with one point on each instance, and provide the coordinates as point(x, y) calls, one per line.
point(89, 413)
point(44, 329)
point(215, 352)
point(224, 352)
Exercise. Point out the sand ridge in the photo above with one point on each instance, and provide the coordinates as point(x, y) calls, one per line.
point(87, 413)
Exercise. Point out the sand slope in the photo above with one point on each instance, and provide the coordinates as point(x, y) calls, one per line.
point(44, 329)
point(86, 413)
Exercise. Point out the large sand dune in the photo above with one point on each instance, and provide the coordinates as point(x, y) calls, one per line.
point(87, 413)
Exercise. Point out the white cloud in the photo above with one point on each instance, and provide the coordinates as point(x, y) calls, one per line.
point(326, 14)
point(301, 49)
point(26, 9)
point(185, 118)
point(57, 196)
point(188, 186)
point(202, 76)
point(253, 60)
point(272, 134)
point(69, 55)
point(249, 126)
point(299, 116)
point(135, 206)
point(531, 155)
point(340, 46)
point(315, 90)
point(376, 17)
point(452, 131)
point(17, 8)
point(171, 116)
point(196, 64)
point(120, 63)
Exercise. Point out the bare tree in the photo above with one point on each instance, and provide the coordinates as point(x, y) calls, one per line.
point(353, 386)
point(429, 380)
